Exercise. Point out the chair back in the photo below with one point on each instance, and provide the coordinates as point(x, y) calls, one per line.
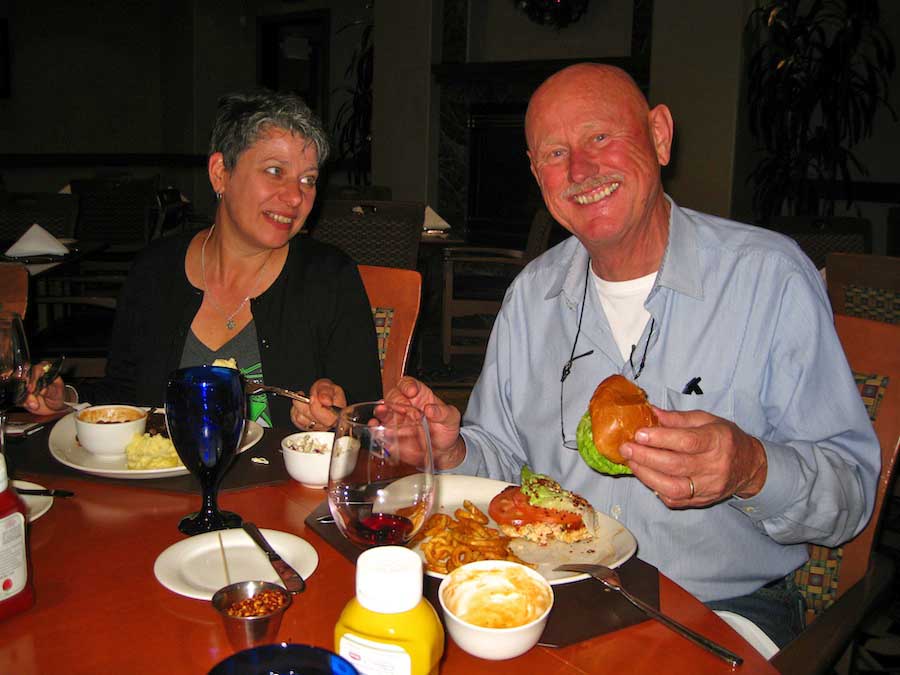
point(395, 295)
point(867, 286)
point(56, 213)
point(820, 236)
point(872, 350)
point(116, 210)
point(538, 234)
point(384, 234)
point(13, 288)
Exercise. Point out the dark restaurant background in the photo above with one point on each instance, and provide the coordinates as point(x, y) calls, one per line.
point(131, 85)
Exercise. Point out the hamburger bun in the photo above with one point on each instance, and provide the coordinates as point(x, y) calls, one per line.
point(617, 410)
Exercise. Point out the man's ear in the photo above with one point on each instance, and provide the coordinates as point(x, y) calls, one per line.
point(534, 171)
point(662, 129)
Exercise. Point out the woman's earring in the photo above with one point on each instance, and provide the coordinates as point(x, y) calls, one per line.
point(219, 195)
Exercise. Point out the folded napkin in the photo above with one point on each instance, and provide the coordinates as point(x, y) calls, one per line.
point(433, 221)
point(36, 241)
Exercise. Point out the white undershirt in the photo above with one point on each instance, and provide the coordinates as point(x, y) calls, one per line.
point(623, 302)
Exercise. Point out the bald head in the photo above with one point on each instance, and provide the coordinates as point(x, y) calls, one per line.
point(607, 84)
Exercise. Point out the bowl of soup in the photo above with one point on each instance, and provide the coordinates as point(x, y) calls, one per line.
point(107, 429)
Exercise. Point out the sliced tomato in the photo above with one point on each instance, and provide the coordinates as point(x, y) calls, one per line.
point(511, 507)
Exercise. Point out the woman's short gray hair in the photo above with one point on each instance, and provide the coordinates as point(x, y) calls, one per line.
point(242, 117)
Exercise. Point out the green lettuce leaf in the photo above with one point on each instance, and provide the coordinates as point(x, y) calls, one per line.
point(590, 454)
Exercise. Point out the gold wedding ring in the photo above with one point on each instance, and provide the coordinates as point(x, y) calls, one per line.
point(691, 484)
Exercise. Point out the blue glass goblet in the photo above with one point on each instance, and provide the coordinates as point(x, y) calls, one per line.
point(205, 412)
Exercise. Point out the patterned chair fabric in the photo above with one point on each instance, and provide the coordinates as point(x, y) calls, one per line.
point(384, 234)
point(818, 578)
point(878, 304)
point(383, 317)
point(865, 286)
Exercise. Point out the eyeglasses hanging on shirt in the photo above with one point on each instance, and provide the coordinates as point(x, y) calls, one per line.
point(567, 366)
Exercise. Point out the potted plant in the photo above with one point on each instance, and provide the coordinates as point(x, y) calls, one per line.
point(818, 73)
point(353, 121)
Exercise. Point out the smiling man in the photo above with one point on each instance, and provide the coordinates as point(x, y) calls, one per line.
point(763, 443)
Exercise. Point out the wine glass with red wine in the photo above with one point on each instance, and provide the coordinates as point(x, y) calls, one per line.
point(15, 364)
point(381, 476)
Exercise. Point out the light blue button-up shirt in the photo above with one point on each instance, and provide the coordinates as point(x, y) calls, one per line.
point(743, 309)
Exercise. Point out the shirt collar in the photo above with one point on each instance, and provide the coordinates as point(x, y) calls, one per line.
point(680, 268)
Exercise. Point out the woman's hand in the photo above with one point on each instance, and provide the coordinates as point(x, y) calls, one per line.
point(318, 414)
point(447, 446)
point(46, 401)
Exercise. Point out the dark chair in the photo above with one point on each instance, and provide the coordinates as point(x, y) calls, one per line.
point(56, 213)
point(820, 236)
point(385, 234)
point(866, 286)
point(843, 585)
point(120, 211)
point(475, 281)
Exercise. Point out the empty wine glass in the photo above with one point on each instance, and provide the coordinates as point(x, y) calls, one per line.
point(205, 413)
point(15, 364)
point(381, 476)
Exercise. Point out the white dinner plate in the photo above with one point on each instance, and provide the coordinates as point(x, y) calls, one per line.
point(451, 490)
point(35, 505)
point(194, 567)
point(64, 446)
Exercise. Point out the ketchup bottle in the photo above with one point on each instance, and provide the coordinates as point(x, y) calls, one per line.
point(16, 589)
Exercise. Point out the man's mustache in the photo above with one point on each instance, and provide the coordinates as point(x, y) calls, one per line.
point(590, 184)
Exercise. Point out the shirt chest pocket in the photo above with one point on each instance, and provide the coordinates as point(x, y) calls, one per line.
point(716, 402)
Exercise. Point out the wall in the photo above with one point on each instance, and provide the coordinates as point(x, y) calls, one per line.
point(498, 31)
point(402, 107)
point(696, 71)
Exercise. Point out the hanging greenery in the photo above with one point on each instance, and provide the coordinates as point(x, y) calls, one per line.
point(819, 73)
point(353, 121)
point(556, 13)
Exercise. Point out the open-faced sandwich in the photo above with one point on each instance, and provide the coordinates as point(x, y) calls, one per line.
point(617, 410)
point(540, 510)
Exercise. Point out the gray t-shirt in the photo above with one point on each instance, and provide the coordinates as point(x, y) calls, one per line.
point(244, 349)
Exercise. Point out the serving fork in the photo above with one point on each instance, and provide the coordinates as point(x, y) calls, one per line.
point(253, 388)
point(610, 578)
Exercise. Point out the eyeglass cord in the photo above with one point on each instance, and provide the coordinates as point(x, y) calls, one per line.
point(637, 373)
point(567, 367)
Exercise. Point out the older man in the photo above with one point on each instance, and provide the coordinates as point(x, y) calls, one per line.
point(763, 443)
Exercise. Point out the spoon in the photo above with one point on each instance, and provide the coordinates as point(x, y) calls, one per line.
point(610, 579)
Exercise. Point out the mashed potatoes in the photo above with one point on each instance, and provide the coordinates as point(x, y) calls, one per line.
point(148, 451)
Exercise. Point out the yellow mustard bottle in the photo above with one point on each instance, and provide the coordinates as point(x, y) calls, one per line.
point(389, 627)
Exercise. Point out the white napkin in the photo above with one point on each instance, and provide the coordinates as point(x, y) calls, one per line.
point(36, 241)
point(433, 221)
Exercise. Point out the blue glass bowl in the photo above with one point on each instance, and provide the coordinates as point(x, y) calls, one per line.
point(284, 659)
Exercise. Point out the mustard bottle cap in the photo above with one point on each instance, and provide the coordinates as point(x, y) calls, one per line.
point(389, 579)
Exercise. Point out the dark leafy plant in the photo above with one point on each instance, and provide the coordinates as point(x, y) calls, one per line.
point(353, 121)
point(819, 73)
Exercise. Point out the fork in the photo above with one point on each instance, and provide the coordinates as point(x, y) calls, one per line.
point(253, 388)
point(610, 579)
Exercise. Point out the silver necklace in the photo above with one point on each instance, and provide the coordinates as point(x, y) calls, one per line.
point(229, 318)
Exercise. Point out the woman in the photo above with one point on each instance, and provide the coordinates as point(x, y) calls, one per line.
point(291, 311)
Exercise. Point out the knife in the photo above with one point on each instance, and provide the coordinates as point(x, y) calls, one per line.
point(291, 578)
point(52, 492)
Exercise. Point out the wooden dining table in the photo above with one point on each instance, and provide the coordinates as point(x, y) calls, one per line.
point(100, 609)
